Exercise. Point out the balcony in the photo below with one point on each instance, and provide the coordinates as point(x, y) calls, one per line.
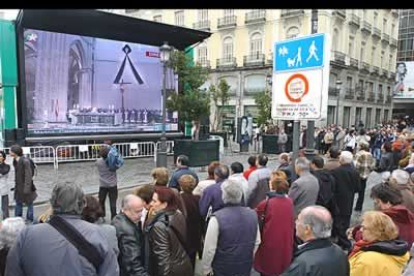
point(365, 67)
point(339, 57)
point(292, 13)
point(385, 38)
point(355, 21)
point(388, 99)
point(394, 43)
point(227, 22)
point(371, 97)
point(256, 16)
point(359, 93)
point(376, 33)
point(254, 60)
point(366, 27)
point(204, 63)
point(202, 25)
point(392, 76)
point(229, 62)
point(349, 94)
point(380, 98)
point(340, 13)
point(353, 63)
point(394, 13)
point(375, 70)
point(332, 91)
point(384, 73)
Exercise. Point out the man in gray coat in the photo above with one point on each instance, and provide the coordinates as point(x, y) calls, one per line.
point(304, 191)
point(41, 250)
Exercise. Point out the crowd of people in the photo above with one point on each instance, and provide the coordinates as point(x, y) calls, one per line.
point(295, 220)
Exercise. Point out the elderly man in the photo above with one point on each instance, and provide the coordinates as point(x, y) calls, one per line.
point(232, 237)
point(333, 160)
point(183, 164)
point(212, 196)
point(347, 184)
point(401, 179)
point(258, 182)
point(237, 175)
point(304, 191)
point(130, 237)
point(318, 256)
point(49, 250)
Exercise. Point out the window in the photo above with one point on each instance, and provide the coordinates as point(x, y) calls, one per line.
point(255, 83)
point(228, 12)
point(392, 30)
point(228, 48)
point(390, 67)
point(384, 25)
point(348, 82)
point(202, 15)
point(351, 47)
point(375, 19)
point(347, 116)
point(388, 90)
point(385, 114)
point(335, 40)
point(331, 115)
point(179, 18)
point(256, 44)
point(382, 59)
point(358, 115)
point(380, 89)
point(202, 54)
point(362, 54)
point(158, 18)
point(361, 85)
point(378, 116)
point(368, 118)
point(292, 32)
point(373, 55)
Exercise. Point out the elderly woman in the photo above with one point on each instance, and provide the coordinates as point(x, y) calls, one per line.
point(166, 237)
point(9, 230)
point(92, 213)
point(276, 215)
point(194, 220)
point(379, 253)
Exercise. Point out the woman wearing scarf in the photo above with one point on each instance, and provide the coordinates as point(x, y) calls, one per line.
point(4, 185)
point(379, 253)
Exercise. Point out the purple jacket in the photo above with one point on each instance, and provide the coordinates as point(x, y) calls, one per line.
point(211, 197)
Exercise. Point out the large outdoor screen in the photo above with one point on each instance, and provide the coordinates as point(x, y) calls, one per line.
point(404, 87)
point(79, 85)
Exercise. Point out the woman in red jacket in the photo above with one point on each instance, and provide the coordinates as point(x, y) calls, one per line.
point(276, 214)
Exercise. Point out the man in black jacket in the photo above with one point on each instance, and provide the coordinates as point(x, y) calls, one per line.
point(317, 256)
point(130, 237)
point(347, 184)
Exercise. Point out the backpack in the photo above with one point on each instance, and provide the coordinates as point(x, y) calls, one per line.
point(114, 159)
point(326, 189)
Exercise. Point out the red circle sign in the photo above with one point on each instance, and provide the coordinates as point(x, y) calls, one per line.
point(297, 86)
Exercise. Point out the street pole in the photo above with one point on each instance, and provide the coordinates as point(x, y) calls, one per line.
point(310, 132)
point(162, 153)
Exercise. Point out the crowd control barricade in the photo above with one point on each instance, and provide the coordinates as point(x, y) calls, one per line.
point(39, 154)
point(135, 150)
point(76, 153)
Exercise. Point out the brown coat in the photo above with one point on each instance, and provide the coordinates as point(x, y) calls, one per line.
point(408, 197)
point(194, 220)
point(332, 164)
point(24, 189)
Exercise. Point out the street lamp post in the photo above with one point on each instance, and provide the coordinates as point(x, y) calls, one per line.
point(338, 89)
point(165, 51)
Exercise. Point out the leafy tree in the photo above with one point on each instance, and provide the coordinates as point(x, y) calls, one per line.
point(191, 102)
point(263, 101)
point(220, 97)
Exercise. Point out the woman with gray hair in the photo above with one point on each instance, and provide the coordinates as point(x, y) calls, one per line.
point(9, 229)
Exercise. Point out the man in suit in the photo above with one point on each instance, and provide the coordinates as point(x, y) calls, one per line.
point(304, 191)
point(24, 190)
point(347, 184)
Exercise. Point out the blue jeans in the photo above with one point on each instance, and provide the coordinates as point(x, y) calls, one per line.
point(377, 154)
point(18, 210)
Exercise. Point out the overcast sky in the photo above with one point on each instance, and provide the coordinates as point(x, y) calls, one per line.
point(9, 14)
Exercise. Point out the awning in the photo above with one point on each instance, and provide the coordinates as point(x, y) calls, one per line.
point(99, 24)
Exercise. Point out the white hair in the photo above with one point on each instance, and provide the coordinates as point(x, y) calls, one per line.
point(346, 157)
point(10, 228)
point(232, 192)
point(400, 176)
point(319, 220)
point(303, 164)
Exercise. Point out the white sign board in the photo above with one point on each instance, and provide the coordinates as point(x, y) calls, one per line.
point(301, 78)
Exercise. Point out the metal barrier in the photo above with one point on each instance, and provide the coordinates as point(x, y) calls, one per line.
point(74, 153)
point(135, 150)
point(39, 154)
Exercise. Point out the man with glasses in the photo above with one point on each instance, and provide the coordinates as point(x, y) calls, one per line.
point(130, 237)
point(317, 255)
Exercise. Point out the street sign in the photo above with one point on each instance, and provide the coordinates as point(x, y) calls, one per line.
point(299, 53)
point(301, 78)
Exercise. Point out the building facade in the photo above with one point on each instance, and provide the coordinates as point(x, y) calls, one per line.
point(403, 106)
point(363, 57)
